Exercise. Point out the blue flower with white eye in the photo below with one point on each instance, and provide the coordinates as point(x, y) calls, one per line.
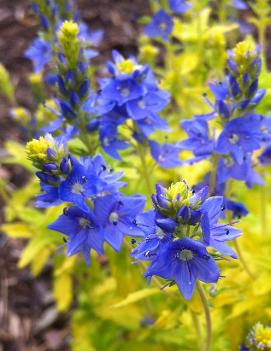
point(83, 231)
point(122, 90)
point(228, 168)
point(131, 93)
point(154, 236)
point(148, 125)
point(110, 141)
point(166, 155)
point(110, 219)
point(214, 234)
point(240, 136)
point(179, 6)
point(185, 261)
point(199, 141)
point(88, 178)
point(151, 103)
point(116, 215)
point(40, 53)
point(161, 26)
point(177, 233)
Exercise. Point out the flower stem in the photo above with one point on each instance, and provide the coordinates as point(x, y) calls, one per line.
point(263, 200)
point(195, 321)
point(213, 175)
point(208, 320)
point(144, 170)
point(242, 260)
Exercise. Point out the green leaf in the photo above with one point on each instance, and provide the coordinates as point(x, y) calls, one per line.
point(137, 296)
point(17, 155)
point(63, 291)
point(17, 230)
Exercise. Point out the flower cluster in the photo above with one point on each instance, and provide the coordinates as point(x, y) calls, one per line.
point(51, 14)
point(161, 25)
point(129, 100)
point(259, 339)
point(238, 131)
point(177, 233)
point(130, 97)
point(97, 211)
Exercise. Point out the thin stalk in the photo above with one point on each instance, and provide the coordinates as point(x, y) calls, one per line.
point(208, 320)
point(262, 31)
point(144, 170)
point(213, 176)
point(235, 242)
point(263, 206)
point(242, 260)
point(196, 324)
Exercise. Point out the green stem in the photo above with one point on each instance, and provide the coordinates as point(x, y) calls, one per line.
point(262, 29)
point(235, 242)
point(144, 170)
point(208, 320)
point(195, 321)
point(263, 200)
point(213, 175)
point(242, 260)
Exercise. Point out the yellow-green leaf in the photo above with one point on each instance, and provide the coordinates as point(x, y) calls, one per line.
point(137, 296)
point(17, 230)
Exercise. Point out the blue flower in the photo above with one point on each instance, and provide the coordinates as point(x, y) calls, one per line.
point(49, 196)
point(110, 141)
point(87, 179)
point(184, 261)
point(179, 6)
point(154, 236)
point(109, 220)
point(161, 26)
point(265, 156)
point(180, 215)
point(240, 136)
point(227, 168)
point(92, 38)
point(199, 140)
point(148, 125)
point(116, 215)
point(239, 4)
point(83, 231)
point(40, 53)
point(151, 103)
point(237, 208)
point(214, 234)
point(122, 90)
point(166, 155)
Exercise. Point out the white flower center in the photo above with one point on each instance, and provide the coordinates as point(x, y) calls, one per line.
point(185, 255)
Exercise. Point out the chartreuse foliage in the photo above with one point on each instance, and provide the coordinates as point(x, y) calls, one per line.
point(119, 128)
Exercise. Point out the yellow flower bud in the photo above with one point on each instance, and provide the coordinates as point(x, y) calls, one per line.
point(35, 78)
point(21, 115)
point(260, 337)
point(178, 194)
point(69, 42)
point(126, 66)
point(148, 53)
point(36, 149)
